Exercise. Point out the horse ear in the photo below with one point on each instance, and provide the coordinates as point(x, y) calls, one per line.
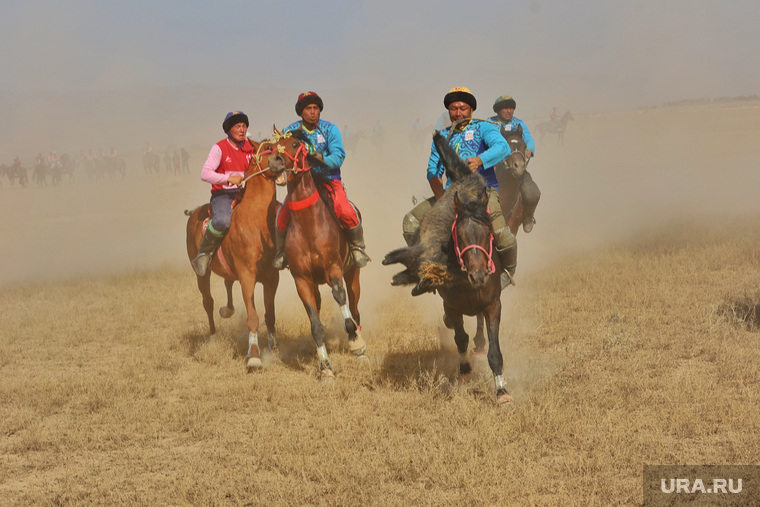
point(276, 132)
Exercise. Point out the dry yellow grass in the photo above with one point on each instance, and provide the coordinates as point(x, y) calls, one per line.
point(111, 392)
point(621, 351)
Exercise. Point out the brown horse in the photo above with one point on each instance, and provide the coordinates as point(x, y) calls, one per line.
point(247, 251)
point(316, 249)
point(455, 256)
point(550, 127)
point(509, 172)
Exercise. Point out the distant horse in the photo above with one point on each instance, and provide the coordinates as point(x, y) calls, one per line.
point(68, 165)
point(550, 127)
point(454, 254)
point(151, 162)
point(114, 165)
point(247, 251)
point(316, 249)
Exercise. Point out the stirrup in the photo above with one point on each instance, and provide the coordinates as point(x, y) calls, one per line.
point(359, 257)
point(279, 261)
point(528, 224)
point(200, 264)
point(506, 280)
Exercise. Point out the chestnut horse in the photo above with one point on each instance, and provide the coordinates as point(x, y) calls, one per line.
point(247, 251)
point(455, 256)
point(315, 248)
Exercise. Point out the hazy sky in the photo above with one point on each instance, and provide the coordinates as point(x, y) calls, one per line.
point(588, 54)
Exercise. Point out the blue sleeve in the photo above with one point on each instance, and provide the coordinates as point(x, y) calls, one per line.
point(530, 144)
point(435, 168)
point(497, 148)
point(335, 146)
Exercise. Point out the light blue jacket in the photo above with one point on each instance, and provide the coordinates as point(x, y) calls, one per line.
point(326, 141)
point(477, 139)
point(511, 125)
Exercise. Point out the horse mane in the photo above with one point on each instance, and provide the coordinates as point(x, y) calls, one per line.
point(456, 168)
point(430, 261)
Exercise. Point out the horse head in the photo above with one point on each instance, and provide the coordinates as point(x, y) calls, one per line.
point(290, 155)
point(473, 238)
point(517, 161)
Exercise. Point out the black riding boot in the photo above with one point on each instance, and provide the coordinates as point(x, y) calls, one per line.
point(355, 238)
point(209, 244)
point(508, 258)
point(279, 258)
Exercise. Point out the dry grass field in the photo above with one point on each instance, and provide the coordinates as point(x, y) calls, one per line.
point(631, 339)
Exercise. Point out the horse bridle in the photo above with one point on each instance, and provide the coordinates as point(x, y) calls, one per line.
point(459, 253)
point(258, 157)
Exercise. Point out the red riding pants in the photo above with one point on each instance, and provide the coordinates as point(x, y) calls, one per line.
point(348, 218)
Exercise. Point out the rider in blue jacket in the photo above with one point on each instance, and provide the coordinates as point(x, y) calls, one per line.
point(504, 107)
point(481, 146)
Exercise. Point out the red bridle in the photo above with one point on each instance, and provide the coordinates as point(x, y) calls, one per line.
point(301, 154)
point(489, 253)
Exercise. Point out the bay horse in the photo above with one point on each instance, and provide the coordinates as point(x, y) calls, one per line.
point(455, 256)
point(246, 252)
point(315, 247)
point(558, 128)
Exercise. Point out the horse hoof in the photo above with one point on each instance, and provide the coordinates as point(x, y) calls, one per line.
point(505, 400)
point(363, 359)
point(253, 364)
point(464, 378)
point(357, 346)
point(226, 312)
point(326, 376)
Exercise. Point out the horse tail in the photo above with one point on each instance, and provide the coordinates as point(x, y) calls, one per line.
point(189, 212)
point(456, 168)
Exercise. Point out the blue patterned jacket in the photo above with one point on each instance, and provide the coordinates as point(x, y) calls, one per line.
point(477, 139)
point(327, 141)
point(530, 144)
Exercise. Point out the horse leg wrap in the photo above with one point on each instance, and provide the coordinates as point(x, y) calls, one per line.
point(349, 322)
point(499, 382)
point(253, 341)
point(254, 361)
point(323, 359)
point(271, 340)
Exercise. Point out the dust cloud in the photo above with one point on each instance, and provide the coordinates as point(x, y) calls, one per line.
point(616, 175)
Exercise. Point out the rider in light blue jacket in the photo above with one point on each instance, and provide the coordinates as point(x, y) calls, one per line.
point(504, 107)
point(481, 146)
